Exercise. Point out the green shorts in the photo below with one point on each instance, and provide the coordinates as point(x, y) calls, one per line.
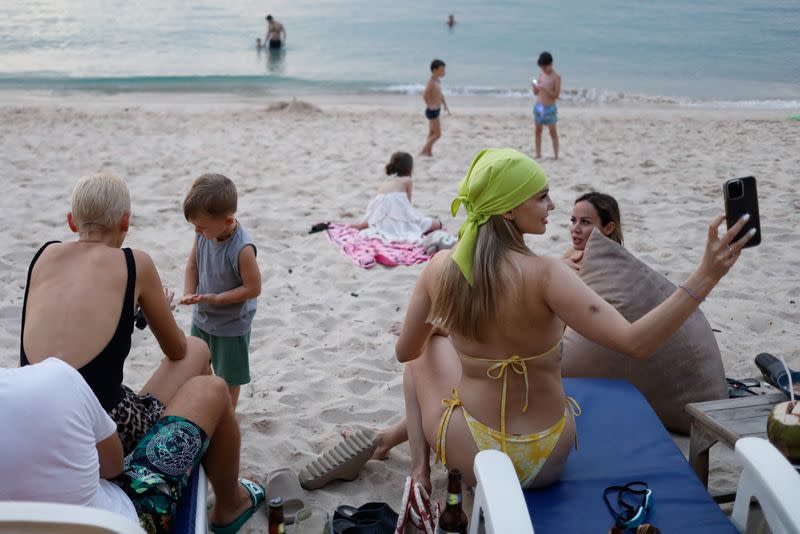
point(230, 356)
point(156, 473)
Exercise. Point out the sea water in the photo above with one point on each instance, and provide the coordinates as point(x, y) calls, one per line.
point(734, 52)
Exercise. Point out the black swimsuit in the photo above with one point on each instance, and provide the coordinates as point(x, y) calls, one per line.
point(134, 414)
point(104, 372)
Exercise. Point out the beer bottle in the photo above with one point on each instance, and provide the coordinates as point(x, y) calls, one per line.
point(275, 519)
point(453, 520)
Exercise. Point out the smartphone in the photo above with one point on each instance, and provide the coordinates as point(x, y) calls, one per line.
point(740, 198)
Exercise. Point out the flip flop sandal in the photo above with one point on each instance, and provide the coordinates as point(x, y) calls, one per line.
point(343, 461)
point(257, 495)
point(283, 483)
point(370, 512)
point(775, 374)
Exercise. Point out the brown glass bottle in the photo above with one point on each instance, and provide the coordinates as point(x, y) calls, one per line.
point(453, 520)
point(275, 518)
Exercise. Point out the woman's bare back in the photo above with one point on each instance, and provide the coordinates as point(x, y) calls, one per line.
point(524, 326)
point(75, 299)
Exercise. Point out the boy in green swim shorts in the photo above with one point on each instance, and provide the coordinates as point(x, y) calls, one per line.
point(222, 278)
point(545, 112)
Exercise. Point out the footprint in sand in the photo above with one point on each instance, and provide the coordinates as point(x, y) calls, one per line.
point(262, 425)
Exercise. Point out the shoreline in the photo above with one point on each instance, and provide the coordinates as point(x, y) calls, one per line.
point(219, 101)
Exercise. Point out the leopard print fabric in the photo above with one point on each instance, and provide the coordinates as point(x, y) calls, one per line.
point(135, 415)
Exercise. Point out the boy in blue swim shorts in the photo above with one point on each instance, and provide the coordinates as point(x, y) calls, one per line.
point(545, 112)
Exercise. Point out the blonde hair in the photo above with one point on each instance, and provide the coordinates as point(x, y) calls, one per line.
point(211, 194)
point(99, 201)
point(466, 310)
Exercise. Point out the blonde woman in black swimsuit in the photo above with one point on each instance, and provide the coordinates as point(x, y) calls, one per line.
point(80, 301)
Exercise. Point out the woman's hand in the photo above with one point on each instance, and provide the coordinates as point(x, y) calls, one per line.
point(573, 259)
point(722, 252)
point(170, 296)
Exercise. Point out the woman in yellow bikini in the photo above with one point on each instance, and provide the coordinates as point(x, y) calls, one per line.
point(495, 382)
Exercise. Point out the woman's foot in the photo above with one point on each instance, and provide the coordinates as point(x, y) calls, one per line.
point(381, 451)
point(388, 438)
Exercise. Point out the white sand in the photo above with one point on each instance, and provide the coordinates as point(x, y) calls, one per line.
point(322, 358)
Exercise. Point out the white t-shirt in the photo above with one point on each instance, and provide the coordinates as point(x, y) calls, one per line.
point(51, 422)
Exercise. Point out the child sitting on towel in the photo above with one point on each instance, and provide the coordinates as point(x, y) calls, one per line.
point(390, 215)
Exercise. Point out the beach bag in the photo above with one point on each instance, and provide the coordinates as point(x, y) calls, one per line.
point(418, 514)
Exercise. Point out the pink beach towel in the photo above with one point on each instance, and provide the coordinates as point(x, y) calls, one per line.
point(366, 252)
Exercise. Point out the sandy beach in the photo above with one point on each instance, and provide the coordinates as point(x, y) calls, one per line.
point(322, 357)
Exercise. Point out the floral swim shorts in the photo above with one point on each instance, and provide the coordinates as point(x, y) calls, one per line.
point(156, 473)
point(545, 115)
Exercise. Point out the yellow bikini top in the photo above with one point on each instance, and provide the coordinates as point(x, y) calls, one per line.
point(499, 368)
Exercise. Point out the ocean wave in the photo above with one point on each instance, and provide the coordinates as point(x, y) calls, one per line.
point(598, 96)
point(273, 84)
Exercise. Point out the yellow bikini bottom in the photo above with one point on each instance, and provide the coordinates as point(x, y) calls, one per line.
point(528, 452)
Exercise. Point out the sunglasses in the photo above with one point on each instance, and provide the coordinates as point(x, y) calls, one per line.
point(633, 503)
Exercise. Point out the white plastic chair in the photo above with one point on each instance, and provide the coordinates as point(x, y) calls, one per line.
point(770, 478)
point(200, 511)
point(45, 517)
point(499, 496)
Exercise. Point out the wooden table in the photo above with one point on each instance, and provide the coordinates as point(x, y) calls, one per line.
point(725, 421)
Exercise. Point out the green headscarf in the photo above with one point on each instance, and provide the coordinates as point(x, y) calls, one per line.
point(498, 180)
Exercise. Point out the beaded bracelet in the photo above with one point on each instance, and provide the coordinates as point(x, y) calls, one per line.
point(691, 293)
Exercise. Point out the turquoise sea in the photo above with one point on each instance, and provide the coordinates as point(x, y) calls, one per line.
point(733, 53)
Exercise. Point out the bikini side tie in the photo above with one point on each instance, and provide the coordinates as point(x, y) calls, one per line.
point(450, 405)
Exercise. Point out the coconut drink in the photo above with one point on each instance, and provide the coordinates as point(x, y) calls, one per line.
point(783, 429)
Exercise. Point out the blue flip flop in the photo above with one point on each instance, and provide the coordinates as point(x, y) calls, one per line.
point(257, 496)
point(774, 372)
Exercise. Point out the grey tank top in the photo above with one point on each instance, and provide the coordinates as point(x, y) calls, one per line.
point(217, 272)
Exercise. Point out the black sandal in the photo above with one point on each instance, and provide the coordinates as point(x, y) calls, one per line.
point(775, 373)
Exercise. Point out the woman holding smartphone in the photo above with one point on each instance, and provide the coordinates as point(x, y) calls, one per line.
point(493, 378)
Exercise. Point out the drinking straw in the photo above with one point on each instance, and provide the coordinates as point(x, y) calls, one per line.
point(789, 376)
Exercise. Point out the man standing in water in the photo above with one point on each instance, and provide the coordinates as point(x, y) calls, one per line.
point(276, 34)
